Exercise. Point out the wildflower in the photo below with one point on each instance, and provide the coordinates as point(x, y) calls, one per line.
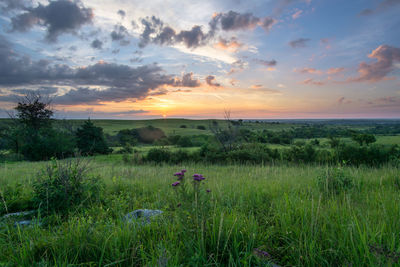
point(176, 184)
point(183, 171)
point(208, 190)
point(198, 177)
point(180, 175)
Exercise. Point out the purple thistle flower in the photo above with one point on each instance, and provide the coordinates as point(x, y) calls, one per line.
point(180, 175)
point(198, 177)
point(208, 190)
point(176, 184)
point(183, 171)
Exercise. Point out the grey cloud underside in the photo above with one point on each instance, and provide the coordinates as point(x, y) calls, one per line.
point(210, 80)
point(7, 5)
point(119, 34)
point(97, 44)
point(386, 56)
point(112, 82)
point(298, 43)
point(57, 17)
point(156, 32)
point(266, 63)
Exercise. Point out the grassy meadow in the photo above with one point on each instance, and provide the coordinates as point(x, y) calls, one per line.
point(285, 213)
point(280, 210)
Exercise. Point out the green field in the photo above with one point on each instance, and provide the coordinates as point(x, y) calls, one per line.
point(277, 209)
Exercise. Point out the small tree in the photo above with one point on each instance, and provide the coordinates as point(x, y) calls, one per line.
point(90, 139)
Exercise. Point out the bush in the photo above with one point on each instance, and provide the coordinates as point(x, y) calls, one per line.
point(65, 185)
point(158, 155)
point(183, 126)
point(201, 127)
point(334, 181)
point(185, 141)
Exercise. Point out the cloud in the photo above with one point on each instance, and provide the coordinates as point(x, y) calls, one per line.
point(334, 70)
point(230, 45)
point(308, 71)
point(97, 44)
point(301, 42)
point(91, 113)
point(156, 32)
point(266, 63)
point(90, 84)
point(187, 81)
point(236, 21)
point(312, 82)
point(122, 13)
point(58, 17)
point(211, 81)
point(119, 34)
point(7, 5)
point(383, 6)
point(386, 57)
point(297, 14)
point(387, 101)
point(261, 88)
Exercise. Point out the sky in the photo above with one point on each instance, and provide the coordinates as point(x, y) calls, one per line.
point(261, 59)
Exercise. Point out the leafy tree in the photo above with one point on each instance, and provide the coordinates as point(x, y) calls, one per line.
point(363, 138)
point(34, 111)
point(90, 139)
point(31, 133)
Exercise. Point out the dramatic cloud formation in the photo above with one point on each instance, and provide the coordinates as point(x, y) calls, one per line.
point(91, 84)
point(301, 42)
point(57, 17)
point(211, 81)
point(386, 57)
point(384, 5)
point(154, 30)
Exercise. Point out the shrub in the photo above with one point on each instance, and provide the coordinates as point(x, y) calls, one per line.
point(64, 185)
point(185, 141)
point(334, 181)
point(183, 126)
point(201, 127)
point(158, 155)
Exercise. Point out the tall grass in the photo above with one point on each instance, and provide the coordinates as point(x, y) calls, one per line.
point(276, 209)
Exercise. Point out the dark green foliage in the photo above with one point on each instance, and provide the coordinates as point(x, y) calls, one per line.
point(369, 155)
point(363, 138)
point(158, 155)
point(15, 198)
point(301, 154)
point(201, 127)
point(184, 141)
point(183, 126)
point(34, 112)
point(334, 181)
point(90, 139)
point(46, 143)
point(31, 133)
point(62, 186)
